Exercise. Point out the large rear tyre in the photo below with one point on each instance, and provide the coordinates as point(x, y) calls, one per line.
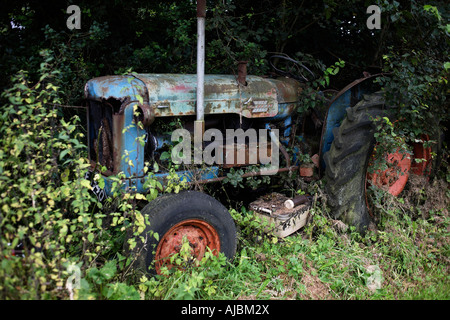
point(347, 161)
point(189, 215)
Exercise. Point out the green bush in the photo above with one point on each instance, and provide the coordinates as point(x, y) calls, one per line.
point(47, 209)
point(418, 69)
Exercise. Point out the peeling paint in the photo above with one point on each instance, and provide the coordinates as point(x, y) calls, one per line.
point(175, 94)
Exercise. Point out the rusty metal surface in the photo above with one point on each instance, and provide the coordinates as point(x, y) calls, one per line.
point(146, 114)
point(117, 87)
point(288, 89)
point(201, 8)
point(242, 72)
point(248, 174)
point(249, 152)
point(200, 235)
point(175, 94)
point(107, 144)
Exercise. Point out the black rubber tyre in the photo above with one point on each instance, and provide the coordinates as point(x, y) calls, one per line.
point(347, 160)
point(169, 210)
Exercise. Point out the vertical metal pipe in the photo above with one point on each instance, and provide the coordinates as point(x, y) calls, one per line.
point(201, 17)
point(199, 124)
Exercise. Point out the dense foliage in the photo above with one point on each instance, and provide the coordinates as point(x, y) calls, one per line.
point(45, 204)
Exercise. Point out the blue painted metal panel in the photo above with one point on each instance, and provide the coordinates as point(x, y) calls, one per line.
point(285, 110)
point(175, 94)
point(131, 150)
point(118, 87)
point(336, 114)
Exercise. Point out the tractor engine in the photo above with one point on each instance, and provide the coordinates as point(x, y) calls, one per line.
point(132, 117)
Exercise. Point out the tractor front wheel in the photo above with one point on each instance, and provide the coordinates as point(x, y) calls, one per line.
point(187, 217)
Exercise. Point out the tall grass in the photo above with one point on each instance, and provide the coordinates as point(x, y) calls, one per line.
point(405, 257)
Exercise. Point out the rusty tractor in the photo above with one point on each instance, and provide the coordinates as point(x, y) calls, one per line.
point(128, 120)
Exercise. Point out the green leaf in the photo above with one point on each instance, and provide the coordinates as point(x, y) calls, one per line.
point(65, 175)
point(63, 153)
point(165, 155)
point(101, 183)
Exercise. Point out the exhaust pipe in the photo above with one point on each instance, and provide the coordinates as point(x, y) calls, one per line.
point(201, 17)
point(199, 125)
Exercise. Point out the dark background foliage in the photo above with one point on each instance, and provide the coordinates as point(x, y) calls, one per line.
point(160, 36)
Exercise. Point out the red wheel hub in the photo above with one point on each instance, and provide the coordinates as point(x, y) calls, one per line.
point(423, 153)
point(395, 177)
point(198, 233)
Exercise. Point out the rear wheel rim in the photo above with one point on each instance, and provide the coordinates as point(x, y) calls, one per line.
point(393, 179)
point(390, 180)
point(423, 153)
point(200, 235)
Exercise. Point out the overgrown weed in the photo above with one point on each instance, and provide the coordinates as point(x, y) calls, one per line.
point(405, 257)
